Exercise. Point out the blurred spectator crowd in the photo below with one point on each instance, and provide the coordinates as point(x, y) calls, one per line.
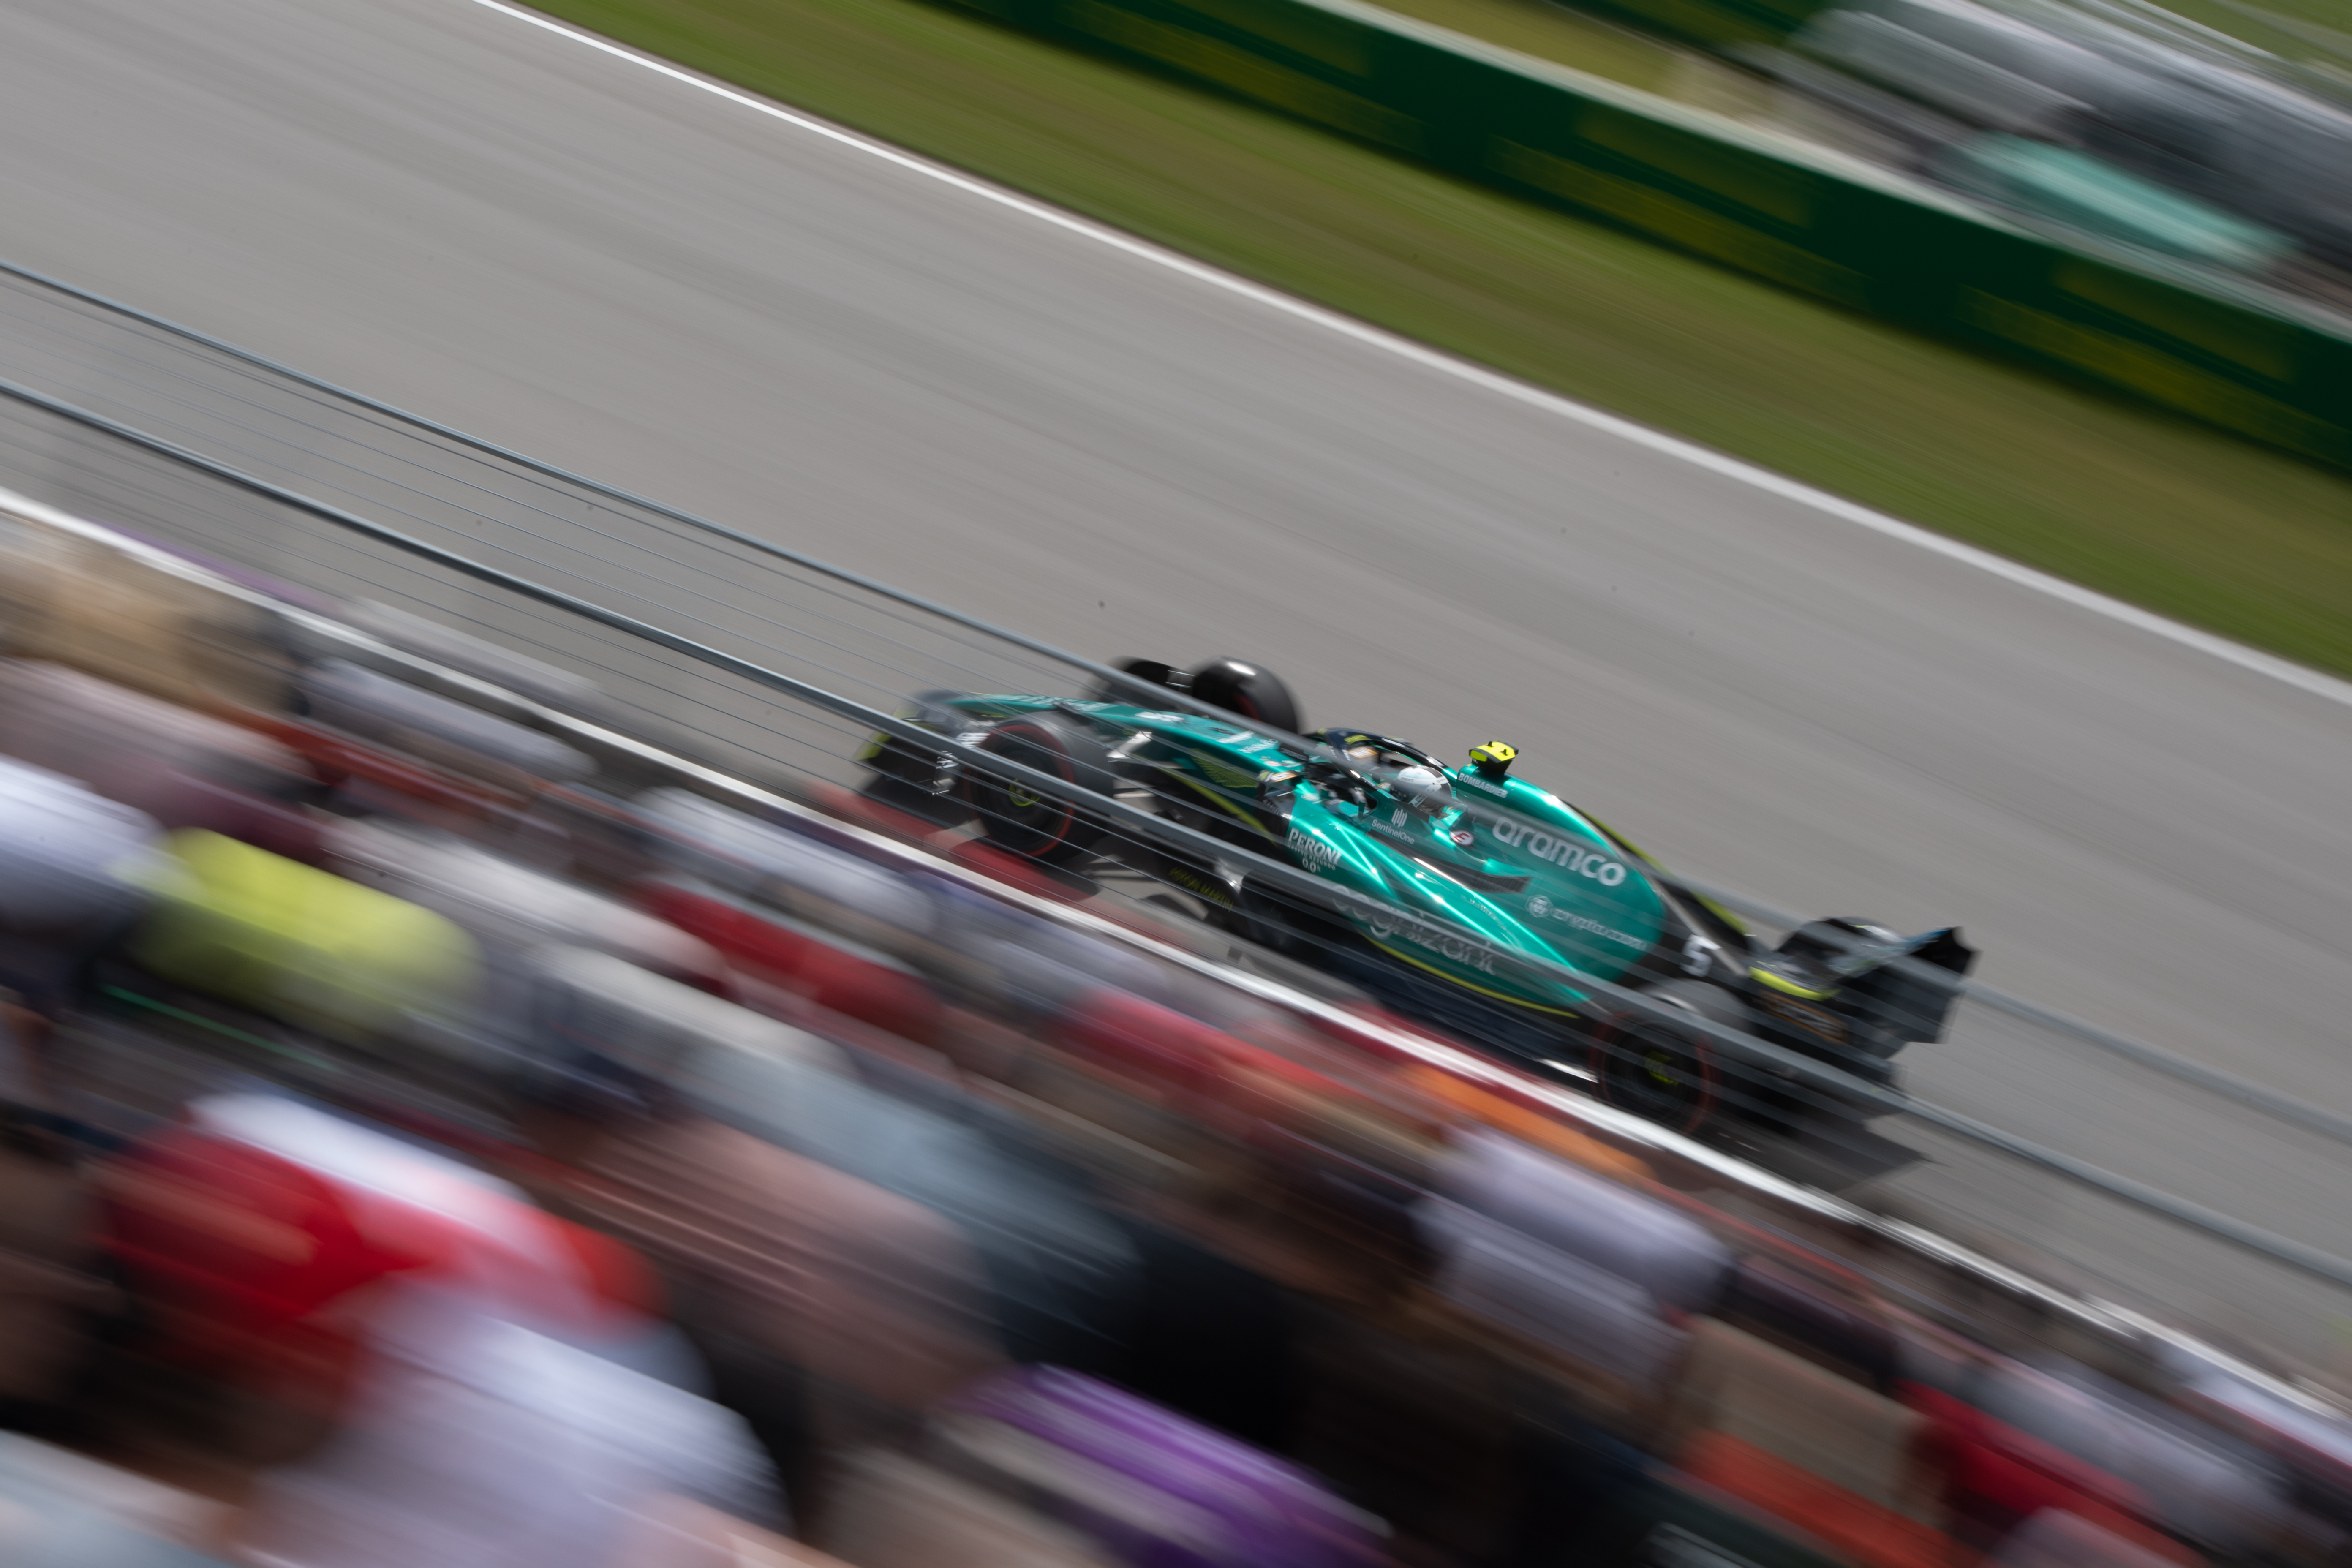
point(430, 1142)
point(2111, 119)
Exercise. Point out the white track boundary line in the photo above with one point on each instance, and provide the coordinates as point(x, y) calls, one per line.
point(2300, 677)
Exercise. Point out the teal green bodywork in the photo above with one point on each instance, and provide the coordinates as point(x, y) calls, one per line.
point(1546, 882)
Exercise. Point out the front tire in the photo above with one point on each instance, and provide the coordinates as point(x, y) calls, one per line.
point(1018, 816)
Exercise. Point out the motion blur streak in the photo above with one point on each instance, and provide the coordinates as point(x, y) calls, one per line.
point(2295, 675)
point(438, 1130)
point(501, 1157)
point(578, 259)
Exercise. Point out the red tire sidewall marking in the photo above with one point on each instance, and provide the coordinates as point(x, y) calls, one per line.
point(1038, 735)
point(1709, 1085)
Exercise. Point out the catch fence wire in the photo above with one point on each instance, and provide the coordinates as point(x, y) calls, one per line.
point(2105, 1241)
point(747, 660)
point(534, 523)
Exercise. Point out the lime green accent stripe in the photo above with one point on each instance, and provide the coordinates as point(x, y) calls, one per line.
point(1246, 819)
point(181, 1015)
point(1790, 987)
point(1469, 986)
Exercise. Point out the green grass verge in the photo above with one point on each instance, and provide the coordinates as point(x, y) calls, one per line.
point(1554, 33)
point(2150, 508)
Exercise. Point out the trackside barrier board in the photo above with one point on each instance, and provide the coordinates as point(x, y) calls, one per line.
point(1802, 216)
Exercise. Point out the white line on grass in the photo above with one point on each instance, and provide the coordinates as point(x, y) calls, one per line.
point(2295, 675)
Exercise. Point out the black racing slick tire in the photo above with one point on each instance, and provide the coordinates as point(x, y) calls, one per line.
point(908, 774)
point(1659, 1072)
point(1245, 689)
point(1047, 825)
point(913, 761)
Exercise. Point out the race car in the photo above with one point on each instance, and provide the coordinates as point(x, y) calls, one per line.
point(1488, 902)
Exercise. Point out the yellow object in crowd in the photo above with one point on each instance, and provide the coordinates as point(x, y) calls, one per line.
point(302, 944)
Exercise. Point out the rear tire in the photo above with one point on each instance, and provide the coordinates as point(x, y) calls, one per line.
point(1013, 815)
point(1245, 689)
point(1661, 1073)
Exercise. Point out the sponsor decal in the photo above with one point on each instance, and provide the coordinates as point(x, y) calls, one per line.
point(1540, 906)
point(1207, 887)
point(1319, 855)
point(1437, 938)
point(1463, 836)
point(1560, 851)
point(1474, 782)
point(1590, 927)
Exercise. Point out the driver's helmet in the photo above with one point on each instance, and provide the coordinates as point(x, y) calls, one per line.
point(1424, 789)
point(1418, 782)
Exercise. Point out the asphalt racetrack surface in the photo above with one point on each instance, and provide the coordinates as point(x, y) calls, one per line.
point(582, 259)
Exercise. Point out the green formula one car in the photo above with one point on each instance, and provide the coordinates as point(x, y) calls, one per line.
point(1487, 899)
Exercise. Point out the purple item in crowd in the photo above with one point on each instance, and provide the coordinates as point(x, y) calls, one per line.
point(244, 577)
point(1155, 1490)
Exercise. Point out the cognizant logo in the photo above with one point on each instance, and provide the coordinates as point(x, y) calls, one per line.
point(1390, 924)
